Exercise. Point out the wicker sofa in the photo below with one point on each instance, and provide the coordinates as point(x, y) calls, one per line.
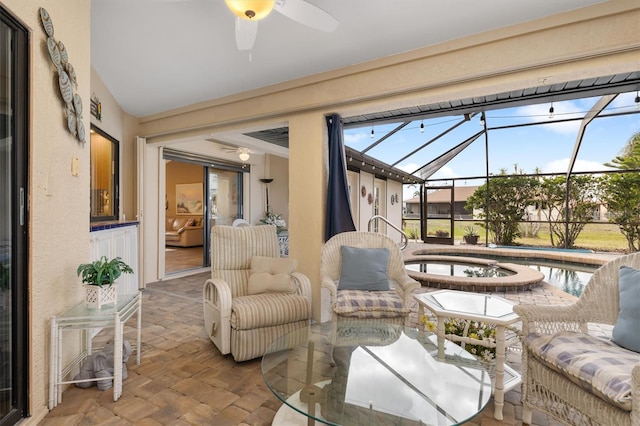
point(568, 373)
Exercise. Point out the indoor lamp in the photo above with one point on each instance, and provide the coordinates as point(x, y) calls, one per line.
point(252, 10)
point(243, 153)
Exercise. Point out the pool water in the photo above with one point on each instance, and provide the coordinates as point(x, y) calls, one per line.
point(458, 269)
point(570, 278)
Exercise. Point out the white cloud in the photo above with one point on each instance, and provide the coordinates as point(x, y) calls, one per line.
point(562, 110)
point(353, 139)
point(560, 166)
point(408, 167)
point(623, 102)
point(445, 172)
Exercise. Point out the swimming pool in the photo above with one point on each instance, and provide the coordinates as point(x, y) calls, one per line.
point(566, 276)
point(459, 269)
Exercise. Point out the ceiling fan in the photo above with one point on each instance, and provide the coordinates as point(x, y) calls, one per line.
point(243, 153)
point(249, 12)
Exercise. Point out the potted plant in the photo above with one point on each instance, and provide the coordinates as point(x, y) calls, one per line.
point(442, 234)
point(470, 235)
point(99, 278)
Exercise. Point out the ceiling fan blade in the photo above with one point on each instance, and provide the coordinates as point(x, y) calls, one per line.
point(307, 14)
point(246, 32)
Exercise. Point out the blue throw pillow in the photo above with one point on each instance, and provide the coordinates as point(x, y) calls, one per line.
point(364, 269)
point(626, 332)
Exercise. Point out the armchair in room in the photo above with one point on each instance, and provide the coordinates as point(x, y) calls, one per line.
point(254, 296)
point(574, 375)
point(365, 276)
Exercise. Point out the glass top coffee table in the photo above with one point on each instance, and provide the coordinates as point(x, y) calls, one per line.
point(485, 308)
point(373, 373)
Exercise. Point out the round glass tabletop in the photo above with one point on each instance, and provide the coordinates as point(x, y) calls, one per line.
point(368, 372)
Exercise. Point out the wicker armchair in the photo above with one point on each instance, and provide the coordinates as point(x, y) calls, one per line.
point(551, 392)
point(393, 304)
point(236, 321)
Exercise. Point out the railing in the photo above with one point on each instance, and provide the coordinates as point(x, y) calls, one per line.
point(404, 240)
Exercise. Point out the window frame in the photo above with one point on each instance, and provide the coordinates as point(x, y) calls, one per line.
point(115, 189)
point(20, 217)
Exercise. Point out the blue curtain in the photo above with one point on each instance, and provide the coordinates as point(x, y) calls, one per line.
point(338, 209)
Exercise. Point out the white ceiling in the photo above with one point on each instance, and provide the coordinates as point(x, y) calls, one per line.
point(157, 55)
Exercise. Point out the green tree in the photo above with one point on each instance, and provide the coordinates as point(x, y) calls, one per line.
point(621, 192)
point(509, 196)
point(583, 199)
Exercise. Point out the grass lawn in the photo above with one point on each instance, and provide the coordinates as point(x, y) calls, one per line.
point(598, 237)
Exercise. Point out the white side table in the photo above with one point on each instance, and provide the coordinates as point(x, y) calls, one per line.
point(475, 307)
point(84, 319)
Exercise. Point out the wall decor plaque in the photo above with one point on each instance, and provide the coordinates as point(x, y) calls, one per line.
point(63, 53)
point(54, 52)
point(66, 79)
point(46, 22)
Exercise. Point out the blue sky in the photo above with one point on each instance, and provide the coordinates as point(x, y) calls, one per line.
point(548, 147)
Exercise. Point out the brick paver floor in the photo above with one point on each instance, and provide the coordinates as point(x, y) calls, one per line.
point(183, 379)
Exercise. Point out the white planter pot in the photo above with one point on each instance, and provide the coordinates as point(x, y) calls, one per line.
point(96, 297)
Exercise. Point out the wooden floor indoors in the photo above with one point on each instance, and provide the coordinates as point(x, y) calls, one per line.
point(177, 259)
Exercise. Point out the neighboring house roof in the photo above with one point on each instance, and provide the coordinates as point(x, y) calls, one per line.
point(460, 193)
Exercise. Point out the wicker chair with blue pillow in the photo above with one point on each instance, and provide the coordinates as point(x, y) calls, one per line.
point(574, 376)
point(254, 296)
point(365, 276)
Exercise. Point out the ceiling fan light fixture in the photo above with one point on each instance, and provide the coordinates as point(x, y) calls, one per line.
point(252, 10)
point(243, 153)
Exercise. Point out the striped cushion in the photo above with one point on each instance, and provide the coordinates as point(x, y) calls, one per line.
point(233, 247)
point(250, 344)
point(597, 365)
point(268, 309)
point(369, 304)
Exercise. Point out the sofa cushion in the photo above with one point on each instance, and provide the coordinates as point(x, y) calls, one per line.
point(271, 274)
point(597, 365)
point(626, 332)
point(268, 309)
point(369, 304)
point(364, 269)
point(171, 236)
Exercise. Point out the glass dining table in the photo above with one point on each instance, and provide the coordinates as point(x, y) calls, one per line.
point(372, 372)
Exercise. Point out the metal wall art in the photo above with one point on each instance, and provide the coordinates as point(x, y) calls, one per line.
point(66, 79)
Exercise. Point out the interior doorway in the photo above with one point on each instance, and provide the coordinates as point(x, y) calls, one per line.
point(199, 193)
point(184, 216)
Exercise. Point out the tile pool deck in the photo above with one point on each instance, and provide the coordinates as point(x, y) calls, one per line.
point(183, 379)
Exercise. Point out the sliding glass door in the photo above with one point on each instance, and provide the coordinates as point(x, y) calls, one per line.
point(200, 192)
point(13, 219)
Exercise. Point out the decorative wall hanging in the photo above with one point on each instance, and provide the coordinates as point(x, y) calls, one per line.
point(96, 107)
point(189, 199)
point(370, 198)
point(66, 79)
point(392, 199)
point(363, 191)
point(396, 197)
